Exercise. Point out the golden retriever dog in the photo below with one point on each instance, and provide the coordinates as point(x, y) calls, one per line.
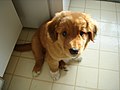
point(62, 38)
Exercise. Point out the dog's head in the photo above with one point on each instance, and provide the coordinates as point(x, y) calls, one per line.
point(72, 31)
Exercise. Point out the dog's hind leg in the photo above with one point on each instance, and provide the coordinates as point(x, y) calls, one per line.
point(39, 53)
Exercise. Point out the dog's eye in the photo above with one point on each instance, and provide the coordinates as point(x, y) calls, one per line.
point(64, 33)
point(82, 33)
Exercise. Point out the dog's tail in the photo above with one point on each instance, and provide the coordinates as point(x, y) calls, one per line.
point(23, 47)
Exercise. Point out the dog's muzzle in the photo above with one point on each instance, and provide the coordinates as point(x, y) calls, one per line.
point(73, 51)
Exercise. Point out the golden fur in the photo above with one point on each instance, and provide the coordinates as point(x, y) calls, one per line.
point(55, 38)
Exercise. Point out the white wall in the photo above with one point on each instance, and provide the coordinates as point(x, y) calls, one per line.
point(32, 12)
point(55, 6)
point(10, 28)
point(66, 4)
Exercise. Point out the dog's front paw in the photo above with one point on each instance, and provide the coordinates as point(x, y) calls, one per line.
point(35, 74)
point(55, 75)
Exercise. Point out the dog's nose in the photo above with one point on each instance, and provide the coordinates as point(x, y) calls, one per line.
point(73, 51)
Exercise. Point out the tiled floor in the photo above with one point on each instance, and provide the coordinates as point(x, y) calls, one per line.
point(100, 67)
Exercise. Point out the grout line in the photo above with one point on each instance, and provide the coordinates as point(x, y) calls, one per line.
point(23, 76)
point(111, 36)
point(88, 88)
point(26, 57)
point(52, 86)
point(10, 80)
point(85, 6)
point(119, 61)
point(99, 51)
point(42, 80)
point(108, 10)
point(27, 36)
point(13, 72)
point(69, 5)
point(109, 69)
point(106, 21)
point(76, 77)
point(63, 84)
point(118, 42)
point(31, 83)
point(108, 51)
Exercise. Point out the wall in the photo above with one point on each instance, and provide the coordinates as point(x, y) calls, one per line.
point(32, 12)
point(10, 28)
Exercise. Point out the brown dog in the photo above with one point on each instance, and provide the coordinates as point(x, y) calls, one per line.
point(62, 38)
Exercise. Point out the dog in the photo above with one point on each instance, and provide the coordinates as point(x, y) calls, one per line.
point(62, 38)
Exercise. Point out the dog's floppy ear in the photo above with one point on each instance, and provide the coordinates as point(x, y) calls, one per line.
point(52, 30)
point(53, 24)
point(92, 27)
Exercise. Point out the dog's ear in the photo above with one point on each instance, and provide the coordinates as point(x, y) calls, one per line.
point(91, 26)
point(92, 31)
point(52, 25)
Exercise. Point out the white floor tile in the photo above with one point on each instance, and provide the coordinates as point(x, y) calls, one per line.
point(119, 45)
point(24, 67)
point(69, 76)
point(27, 54)
point(87, 77)
point(77, 3)
point(109, 29)
point(95, 44)
point(30, 34)
point(7, 78)
point(98, 26)
point(107, 16)
point(66, 3)
point(90, 58)
point(109, 44)
point(12, 64)
point(62, 87)
point(118, 30)
point(93, 4)
point(16, 53)
point(39, 85)
point(19, 83)
point(45, 73)
point(76, 9)
point(80, 88)
point(66, 8)
point(109, 60)
point(118, 7)
point(118, 17)
point(24, 34)
point(108, 80)
point(95, 14)
point(108, 6)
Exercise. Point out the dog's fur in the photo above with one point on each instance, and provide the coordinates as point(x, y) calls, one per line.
point(55, 38)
